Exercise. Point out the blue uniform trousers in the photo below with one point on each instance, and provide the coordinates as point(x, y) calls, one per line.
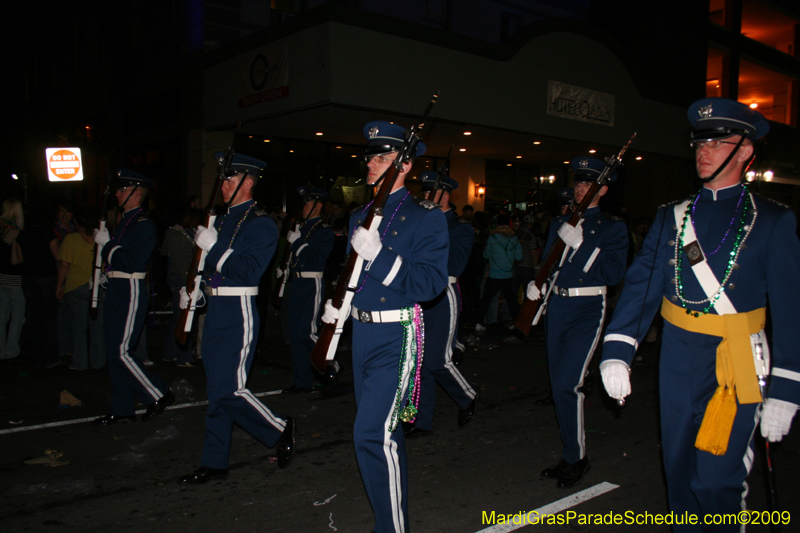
point(229, 344)
point(441, 325)
point(699, 482)
point(124, 312)
point(301, 324)
point(381, 454)
point(574, 326)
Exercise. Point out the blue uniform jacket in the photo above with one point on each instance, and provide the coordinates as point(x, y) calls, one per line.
point(768, 267)
point(133, 242)
point(601, 257)
point(461, 240)
point(311, 250)
point(242, 262)
point(412, 265)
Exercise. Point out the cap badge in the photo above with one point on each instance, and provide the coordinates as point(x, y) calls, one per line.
point(373, 132)
point(705, 111)
point(584, 163)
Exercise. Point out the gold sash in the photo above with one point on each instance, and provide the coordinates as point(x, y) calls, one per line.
point(736, 372)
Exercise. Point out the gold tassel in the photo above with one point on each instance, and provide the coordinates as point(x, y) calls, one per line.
point(715, 431)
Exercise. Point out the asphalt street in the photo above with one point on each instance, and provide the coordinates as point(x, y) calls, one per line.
point(60, 473)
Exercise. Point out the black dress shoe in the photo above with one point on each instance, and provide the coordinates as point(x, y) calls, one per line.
point(411, 431)
point(113, 419)
point(158, 406)
point(465, 416)
point(555, 472)
point(573, 474)
point(286, 444)
point(203, 475)
point(294, 389)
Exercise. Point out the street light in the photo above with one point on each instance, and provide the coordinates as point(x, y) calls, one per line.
point(480, 190)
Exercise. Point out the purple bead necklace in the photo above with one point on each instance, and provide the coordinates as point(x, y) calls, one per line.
point(730, 224)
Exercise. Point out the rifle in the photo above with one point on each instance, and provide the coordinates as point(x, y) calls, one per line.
point(325, 348)
point(195, 274)
point(280, 288)
point(97, 269)
point(532, 310)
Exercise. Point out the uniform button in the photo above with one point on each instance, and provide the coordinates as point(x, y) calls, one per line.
point(671, 242)
point(736, 266)
point(674, 227)
point(731, 286)
point(358, 222)
point(389, 247)
point(599, 221)
point(394, 233)
point(402, 217)
point(580, 281)
point(743, 246)
point(674, 298)
point(672, 262)
point(591, 231)
point(675, 281)
point(383, 299)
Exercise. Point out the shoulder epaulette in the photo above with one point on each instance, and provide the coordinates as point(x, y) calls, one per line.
point(260, 212)
point(672, 203)
point(427, 204)
point(616, 218)
point(142, 218)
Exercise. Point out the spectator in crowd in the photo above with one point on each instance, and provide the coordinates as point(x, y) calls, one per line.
point(74, 290)
point(12, 299)
point(502, 250)
point(63, 226)
point(39, 286)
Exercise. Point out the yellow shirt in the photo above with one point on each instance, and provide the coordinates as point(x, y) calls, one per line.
point(79, 254)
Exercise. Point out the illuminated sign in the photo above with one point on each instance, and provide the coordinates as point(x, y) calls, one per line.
point(64, 164)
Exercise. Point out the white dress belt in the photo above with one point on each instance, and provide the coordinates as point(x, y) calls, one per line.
point(307, 274)
point(452, 279)
point(377, 317)
point(232, 291)
point(126, 275)
point(579, 291)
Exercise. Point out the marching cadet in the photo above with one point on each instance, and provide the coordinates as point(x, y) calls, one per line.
point(406, 263)
point(441, 320)
point(126, 257)
point(710, 263)
point(594, 259)
point(240, 247)
point(309, 249)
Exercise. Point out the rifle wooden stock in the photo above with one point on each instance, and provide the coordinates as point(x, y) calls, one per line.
point(529, 308)
point(195, 273)
point(325, 347)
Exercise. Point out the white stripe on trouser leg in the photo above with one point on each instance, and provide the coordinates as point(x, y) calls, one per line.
point(579, 421)
point(124, 348)
point(241, 372)
point(390, 448)
point(317, 305)
point(452, 301)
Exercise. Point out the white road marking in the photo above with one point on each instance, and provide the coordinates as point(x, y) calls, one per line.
point(556, 507)
point(139, 412)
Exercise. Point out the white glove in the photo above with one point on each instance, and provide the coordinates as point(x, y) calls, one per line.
point(292, 236)
point(278, 273)
point(205, 238)
point(331, 314)
point(184, 303)
point(616, 378)
point(572, 236)
point(533, 292)
point(776, 419)
point(101, 237)
point(366, 244)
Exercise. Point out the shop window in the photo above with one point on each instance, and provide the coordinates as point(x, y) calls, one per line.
point(773, 94)
point(770, 27)
point(719, 13)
